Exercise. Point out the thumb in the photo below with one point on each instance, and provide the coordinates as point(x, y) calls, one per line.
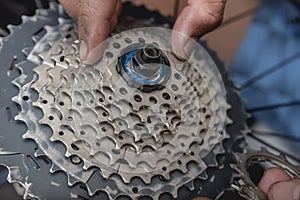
point(94, 24)
point(196, 19)
point(285, 190)
point(272, 176)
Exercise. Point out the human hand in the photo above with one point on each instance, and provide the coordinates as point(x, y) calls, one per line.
point(96, 19)
point(277, 185)
point(196, 19)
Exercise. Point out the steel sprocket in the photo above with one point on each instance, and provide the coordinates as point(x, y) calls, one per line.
point(93, 177)
point(48, 98)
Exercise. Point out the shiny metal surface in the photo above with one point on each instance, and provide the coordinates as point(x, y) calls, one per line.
point(112, 140)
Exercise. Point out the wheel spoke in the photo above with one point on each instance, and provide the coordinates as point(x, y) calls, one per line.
point(271, 70)
point(280, 135)
point(273, 106)
point(273, 147)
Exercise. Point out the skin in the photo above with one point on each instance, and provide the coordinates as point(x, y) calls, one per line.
point(197, 18)
point(277, 185)
point(96, 18)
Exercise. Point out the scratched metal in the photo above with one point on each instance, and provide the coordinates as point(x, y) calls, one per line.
point(31, 150)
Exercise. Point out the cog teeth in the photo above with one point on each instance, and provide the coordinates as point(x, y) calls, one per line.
point(36, 104)
point(138, 150)
point(199, 140)
point(93, 151)
point(234, 166)
point(28, 135)
point(18, 117)
point(43, 121)
point(53, 6)
point(36, 38)
point(184, 169)
point(54, 138)
point(203, 176)
point(54, 168)
point(27, 51)
point(62, 20)
point(48, 28)
point(27, 119)
point(72, 180)
point(43, 55)
point(190, 185)
point(40, 12)
point(67, 154)
point(60, 9)
point(228, 121)
point(166, 176)
point(147, 178)
point(156, 137)
point(126, 179)
point(239, 173)
point(105, 173)
point(11, 28)
point(174, 194)
point(87, 165)
point(39, 153)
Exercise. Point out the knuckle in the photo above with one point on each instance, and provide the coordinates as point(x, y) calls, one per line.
point(88, 6)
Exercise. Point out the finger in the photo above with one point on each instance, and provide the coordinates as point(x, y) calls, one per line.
point(202, 198)
point(271, 176)
point(114, 19)
point(71, 7)
point(94, 23)
point(285, 190)
point(196, 19)
point(118, 8)
point(113, 23)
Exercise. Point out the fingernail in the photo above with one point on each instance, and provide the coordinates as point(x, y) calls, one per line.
point(183, 45)
point(179, 41)
point(95, 54)
point(83, 50)
point(285, 190)
point(189, 47)
point(271, 176)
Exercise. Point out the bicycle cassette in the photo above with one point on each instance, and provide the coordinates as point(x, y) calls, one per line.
point(139, 124)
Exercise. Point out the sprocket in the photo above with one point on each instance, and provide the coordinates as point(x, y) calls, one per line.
point(97, 134)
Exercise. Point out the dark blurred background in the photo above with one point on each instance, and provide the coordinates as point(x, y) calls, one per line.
point(10, 11)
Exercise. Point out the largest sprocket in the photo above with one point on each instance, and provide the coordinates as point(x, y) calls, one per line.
point(97, 134)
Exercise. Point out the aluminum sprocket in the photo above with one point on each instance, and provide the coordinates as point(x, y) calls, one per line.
point(17, 155)
point(65, 113)
point(46, 100)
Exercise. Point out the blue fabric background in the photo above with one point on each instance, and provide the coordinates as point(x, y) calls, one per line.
point(271, 38)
